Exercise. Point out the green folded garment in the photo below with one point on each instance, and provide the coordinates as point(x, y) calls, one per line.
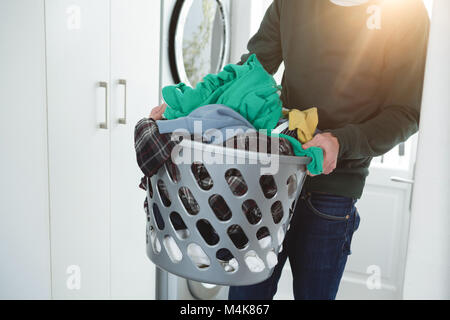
point(247, 89)
point(315, 153)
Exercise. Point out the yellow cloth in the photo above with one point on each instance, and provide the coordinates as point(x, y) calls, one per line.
point(305, 122)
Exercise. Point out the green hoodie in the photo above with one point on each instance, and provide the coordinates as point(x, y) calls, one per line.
point(361, 66)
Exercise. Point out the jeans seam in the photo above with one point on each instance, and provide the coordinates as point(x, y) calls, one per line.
point(346, 240)
point(347, 236)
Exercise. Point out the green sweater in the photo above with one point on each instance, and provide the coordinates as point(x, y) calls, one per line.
point(361, 66)
point(246, 88)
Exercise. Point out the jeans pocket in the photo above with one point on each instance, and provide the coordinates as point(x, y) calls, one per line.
point(323, 215)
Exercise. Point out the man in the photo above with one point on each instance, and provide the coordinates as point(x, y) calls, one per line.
point(361, 63)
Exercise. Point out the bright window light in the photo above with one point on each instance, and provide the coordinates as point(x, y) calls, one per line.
point(429, 5)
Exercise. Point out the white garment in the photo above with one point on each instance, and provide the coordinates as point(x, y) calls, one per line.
point(265, 242)
point(281, 235)
point(172, 249)
point(349, 3)
point(254, 262)
point(183, 234)
point(198, 256)
point(155, 242)
point(231, 265)
point(272, 259)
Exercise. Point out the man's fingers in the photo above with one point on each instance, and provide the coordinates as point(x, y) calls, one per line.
point(158, 111)
point(310, 174)
point(329, 167)
point(329, 146)
point(309, 145)
point(162, 107)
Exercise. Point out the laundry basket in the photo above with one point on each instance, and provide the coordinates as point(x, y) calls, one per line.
point(233, 240)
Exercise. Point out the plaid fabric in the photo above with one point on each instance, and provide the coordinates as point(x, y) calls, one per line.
point(177, 222)
point(258, 142)
point(238, 236)
point(189, 202)
point(152, 148)
point(202, 176)
point(147, 212)
point(162, 190)
point(277, 212)
point(290, 133)
point(252, 211)
point(173, 171)
point(268, 186)
point(220, 207)
point(236, 182)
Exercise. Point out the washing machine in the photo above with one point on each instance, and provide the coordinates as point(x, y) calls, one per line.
point(195, 41)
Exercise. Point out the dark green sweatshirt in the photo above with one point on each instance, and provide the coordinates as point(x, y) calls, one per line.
point(361, 66)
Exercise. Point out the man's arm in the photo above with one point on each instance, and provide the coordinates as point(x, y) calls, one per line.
point(402, 84)
point(266, 43)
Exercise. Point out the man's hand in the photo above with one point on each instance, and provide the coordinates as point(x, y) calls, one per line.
point(330, 146)
point(157, 112)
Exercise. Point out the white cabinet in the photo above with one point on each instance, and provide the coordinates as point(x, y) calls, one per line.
point(135, 46)
point(72, 221)
point(24, 222)
point(103, 66)
point(77, 34)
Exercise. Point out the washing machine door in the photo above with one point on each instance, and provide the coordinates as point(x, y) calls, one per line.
point(199, 39)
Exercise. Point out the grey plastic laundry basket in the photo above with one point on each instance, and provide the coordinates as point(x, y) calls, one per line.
point(162, 235)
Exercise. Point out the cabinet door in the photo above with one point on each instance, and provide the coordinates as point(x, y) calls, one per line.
point(77, 34)
point(135, 42)
point(24, 220)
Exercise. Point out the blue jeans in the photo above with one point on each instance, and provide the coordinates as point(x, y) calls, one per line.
point(317, 245)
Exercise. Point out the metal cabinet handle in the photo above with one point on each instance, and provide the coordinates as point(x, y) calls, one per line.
point(402, 180)
point(124, 119)
point(104, 84)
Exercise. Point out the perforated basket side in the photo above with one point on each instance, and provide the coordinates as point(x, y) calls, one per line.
point(215, 272)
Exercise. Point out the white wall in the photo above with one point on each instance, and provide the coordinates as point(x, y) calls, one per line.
point(240, 28)
point(429, 5)
point(24, 208)
point(428, 261)
point(246, 17)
